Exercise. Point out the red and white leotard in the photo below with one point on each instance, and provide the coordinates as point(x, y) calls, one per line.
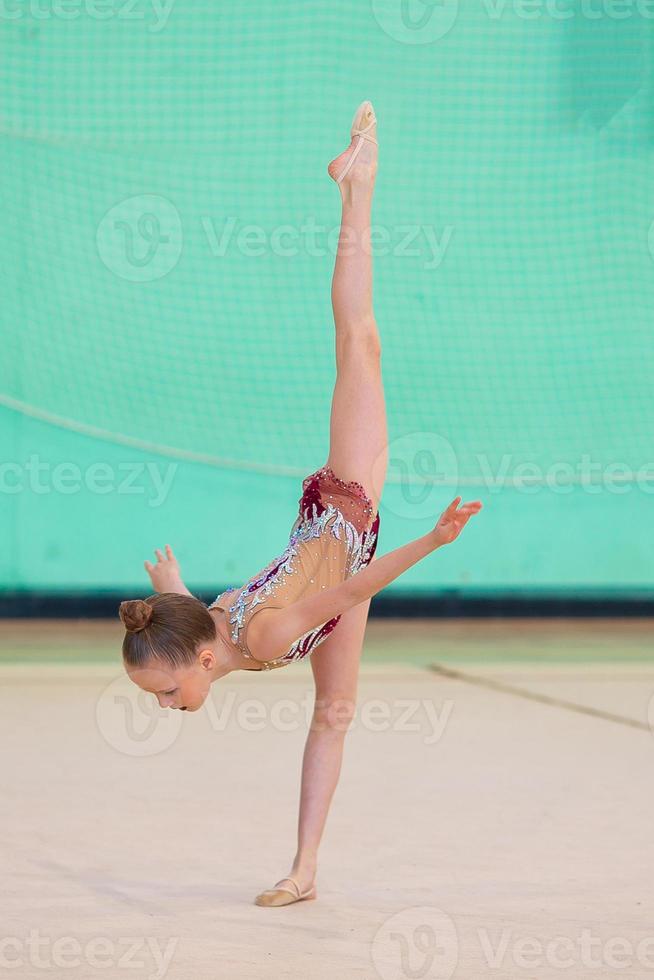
point(334, 536)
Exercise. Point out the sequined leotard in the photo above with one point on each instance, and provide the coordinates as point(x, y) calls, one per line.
point(333, 537)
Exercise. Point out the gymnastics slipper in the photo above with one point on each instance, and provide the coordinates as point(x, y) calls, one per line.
point(363, 134)
point(284, 896)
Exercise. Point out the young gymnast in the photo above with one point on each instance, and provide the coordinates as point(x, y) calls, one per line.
point(313, 599)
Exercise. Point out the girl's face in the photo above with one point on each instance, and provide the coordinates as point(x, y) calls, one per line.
point(185, 687)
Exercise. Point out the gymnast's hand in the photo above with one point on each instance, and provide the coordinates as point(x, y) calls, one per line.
point(165, 575)
point(452, 521)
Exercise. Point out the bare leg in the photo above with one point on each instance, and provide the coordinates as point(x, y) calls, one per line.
point(358, 444)
point(352, 278)
point(358, 432)
point(335, 665)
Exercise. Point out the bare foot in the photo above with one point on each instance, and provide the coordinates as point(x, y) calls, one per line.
point(364, 167)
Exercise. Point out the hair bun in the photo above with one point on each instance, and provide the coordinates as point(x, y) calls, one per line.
point(136, 614)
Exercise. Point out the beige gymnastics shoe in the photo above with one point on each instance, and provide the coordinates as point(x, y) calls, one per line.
point(363, 129)
point(284, 896)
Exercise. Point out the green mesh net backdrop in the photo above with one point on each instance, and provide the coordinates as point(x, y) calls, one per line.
point(169, 232)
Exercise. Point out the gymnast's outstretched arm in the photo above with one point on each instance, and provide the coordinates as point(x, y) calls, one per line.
point(282, 627)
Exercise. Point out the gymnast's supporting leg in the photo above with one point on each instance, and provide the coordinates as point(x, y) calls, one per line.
point(358, 439)
point(335, 666)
